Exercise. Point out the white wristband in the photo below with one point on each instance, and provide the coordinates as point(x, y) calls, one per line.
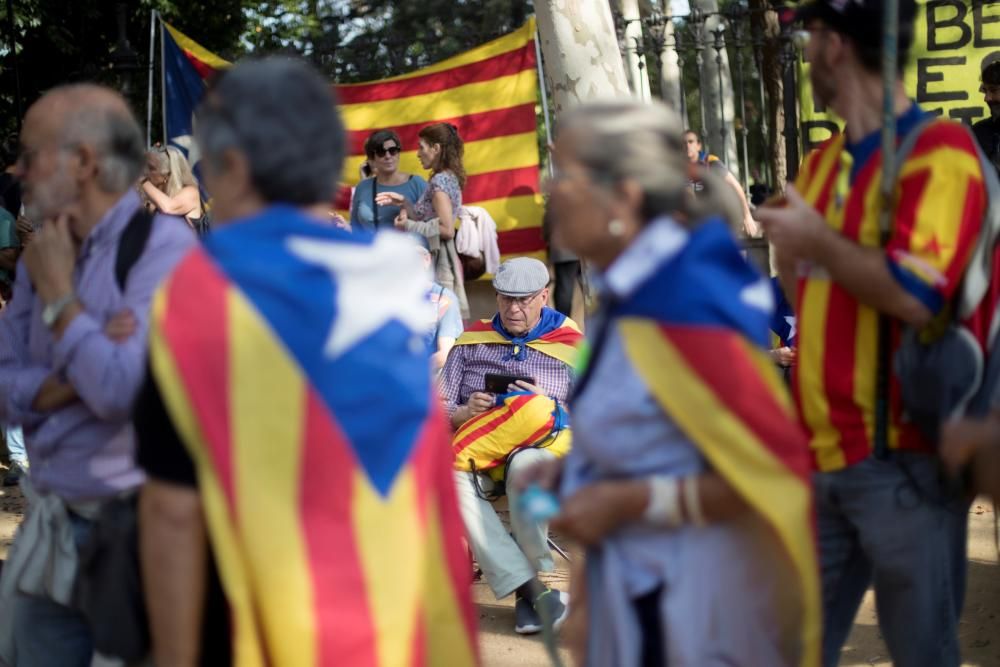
point(664, 508)
point(692, 501)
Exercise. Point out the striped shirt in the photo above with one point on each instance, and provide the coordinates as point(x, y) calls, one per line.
point(940, 203)
point(467, 366)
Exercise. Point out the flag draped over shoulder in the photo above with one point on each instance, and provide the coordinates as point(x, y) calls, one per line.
point(695, 333)
point(555, 335)
point(489, 94)
point(313, 483)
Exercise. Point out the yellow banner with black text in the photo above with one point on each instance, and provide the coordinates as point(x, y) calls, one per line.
point(953, 41)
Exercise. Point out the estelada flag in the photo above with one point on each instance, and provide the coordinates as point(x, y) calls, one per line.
point(696, 331)
point(304, 397)
point(555, 335)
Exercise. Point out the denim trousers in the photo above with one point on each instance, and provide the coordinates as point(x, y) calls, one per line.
point(897, 525)
point(48, 634)
point(15, 446)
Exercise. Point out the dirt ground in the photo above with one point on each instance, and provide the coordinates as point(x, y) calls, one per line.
point(501, 647)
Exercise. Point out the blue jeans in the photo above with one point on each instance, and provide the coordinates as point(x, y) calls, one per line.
point(47, 634)
point(894, 524)
point(15, 446)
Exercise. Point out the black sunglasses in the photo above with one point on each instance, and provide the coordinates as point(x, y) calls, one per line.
point(392, 150)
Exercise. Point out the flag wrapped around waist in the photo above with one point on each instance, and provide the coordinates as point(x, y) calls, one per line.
point(521, 420)
point(695, 333)
point(312, 484)
point(555, 335)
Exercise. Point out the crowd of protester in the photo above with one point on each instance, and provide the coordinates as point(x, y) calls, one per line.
point(280, 438)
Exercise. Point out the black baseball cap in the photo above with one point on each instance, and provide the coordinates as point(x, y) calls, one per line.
point(861, 20)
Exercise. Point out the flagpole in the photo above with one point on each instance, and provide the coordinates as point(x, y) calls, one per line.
point(545, 97)
point(163, 83)
point(890, 55)
point(152, 66)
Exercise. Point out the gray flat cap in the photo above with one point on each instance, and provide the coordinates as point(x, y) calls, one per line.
point(521, 276)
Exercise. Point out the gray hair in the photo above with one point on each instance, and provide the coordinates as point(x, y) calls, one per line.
point(643, 141)
point(113, 132)
point(282, 115)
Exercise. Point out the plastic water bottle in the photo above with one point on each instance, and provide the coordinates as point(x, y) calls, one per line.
point(537, 504)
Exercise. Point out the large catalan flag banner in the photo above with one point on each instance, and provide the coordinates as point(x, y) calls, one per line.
point(488, 93)
point(953, 41)
point(303, 394)
point(696, 332)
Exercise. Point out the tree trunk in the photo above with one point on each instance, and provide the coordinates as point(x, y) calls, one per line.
point(764, 22)
point(717, 87)
point(635, 58)
point(580, 50)
point(670, 70)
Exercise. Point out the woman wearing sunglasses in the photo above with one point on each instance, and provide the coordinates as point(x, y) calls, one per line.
point(383, 148)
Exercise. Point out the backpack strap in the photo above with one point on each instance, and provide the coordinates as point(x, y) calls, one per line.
point(887, 221)
point(131, 244)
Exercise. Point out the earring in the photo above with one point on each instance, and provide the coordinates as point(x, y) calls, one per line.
point(616, 227)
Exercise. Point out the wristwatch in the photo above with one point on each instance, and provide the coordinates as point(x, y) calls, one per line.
point(52, 311)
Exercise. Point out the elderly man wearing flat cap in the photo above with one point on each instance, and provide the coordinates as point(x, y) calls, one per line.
point(533, 346)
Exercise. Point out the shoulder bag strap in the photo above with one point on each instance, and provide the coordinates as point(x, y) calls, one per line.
point(887, 219)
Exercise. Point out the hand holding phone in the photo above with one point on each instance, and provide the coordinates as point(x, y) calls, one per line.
point(499, 383)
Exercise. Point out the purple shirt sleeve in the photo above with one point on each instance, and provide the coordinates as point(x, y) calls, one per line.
point(20, 380)
point(107, 375)
point(451, 379)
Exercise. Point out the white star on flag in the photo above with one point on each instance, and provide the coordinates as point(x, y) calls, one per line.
point(375, 284)
point(790, 320)
point(758, 295)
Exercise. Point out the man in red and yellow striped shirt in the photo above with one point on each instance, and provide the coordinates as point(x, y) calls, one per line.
point(883, 516)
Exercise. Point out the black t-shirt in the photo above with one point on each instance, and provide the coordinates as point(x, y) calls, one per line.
point(163, 456)
point(987, 133)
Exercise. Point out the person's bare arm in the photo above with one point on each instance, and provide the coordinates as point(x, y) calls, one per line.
point(597, 509)
point(184, 202)
point(478, 403)
point(750, 225)
point(445, 215)
point(174, 555)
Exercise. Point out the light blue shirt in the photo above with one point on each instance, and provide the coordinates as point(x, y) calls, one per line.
point(362, 215)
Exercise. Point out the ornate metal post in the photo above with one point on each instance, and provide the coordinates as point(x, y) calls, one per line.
point(719, 45)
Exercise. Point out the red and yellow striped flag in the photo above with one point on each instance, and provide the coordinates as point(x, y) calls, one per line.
point(489, 94)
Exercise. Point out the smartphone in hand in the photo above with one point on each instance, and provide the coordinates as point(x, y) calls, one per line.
point(497, 383)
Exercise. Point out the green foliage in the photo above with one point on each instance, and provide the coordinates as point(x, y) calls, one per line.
point(362, 40)
point(61, 41)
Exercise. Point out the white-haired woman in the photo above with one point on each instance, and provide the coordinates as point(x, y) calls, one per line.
point(689, 480)
point(169, 185)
